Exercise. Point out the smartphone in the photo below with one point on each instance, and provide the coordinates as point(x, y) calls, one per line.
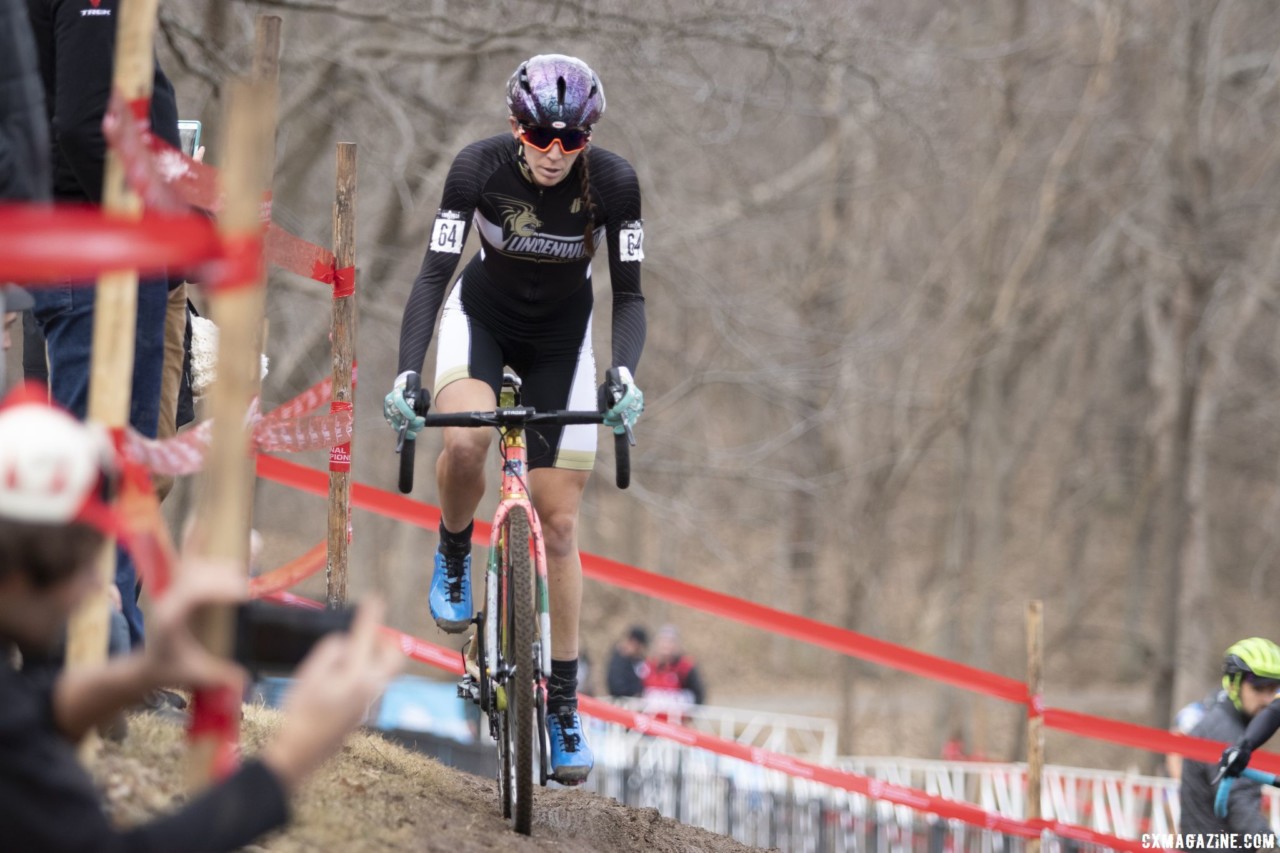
point(272, 639)
point(189, 133)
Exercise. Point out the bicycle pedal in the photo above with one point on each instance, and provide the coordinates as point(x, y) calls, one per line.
point(468, 688)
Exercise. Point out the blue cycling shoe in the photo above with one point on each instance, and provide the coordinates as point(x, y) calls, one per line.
point(571, 758)
point(450, 597)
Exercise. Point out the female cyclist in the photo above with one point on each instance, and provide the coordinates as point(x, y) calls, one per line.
point(543, 201)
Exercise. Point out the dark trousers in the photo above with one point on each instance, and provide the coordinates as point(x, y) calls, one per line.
point(65, 316)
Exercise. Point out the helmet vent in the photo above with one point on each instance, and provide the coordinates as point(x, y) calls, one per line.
point(561, 85)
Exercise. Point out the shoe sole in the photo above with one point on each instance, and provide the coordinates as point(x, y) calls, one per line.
point(452, 627)
point(572, 775)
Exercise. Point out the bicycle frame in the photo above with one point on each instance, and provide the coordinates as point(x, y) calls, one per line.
point(515, 493)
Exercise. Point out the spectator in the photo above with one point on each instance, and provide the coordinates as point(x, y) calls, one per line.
point(52, 511)
point(1251, 676)
point(1183, 723)
point(25, 172)
point(627, 665)
point(672, 682)
point(76, 55)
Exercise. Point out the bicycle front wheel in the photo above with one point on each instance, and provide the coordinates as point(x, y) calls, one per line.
point(516, 641)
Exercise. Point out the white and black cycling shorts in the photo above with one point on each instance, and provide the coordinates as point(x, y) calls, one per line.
point(553, 359)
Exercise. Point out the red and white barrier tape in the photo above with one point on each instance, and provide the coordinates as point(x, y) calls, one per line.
point(167, 179)
point(61, 244)
point(127, 128)
point(598, 568)
point(875, 789)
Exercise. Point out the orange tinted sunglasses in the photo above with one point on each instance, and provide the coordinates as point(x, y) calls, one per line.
point(571, 139)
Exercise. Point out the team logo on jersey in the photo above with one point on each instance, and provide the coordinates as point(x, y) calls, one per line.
point(85, 13)
point(518, 216)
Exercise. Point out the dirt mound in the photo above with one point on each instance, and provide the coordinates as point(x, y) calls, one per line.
point(379, 796)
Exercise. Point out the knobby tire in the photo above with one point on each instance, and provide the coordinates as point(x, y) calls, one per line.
point(518, 632)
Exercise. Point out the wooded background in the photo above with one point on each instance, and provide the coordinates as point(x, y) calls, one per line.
point(952, 304)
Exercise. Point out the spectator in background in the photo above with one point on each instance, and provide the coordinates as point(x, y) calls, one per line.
point(627, 665)
point(671, 682)
point(76, 55)
point(1188, 716)
point(25, 172)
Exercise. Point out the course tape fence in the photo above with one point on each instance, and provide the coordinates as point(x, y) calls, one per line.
point(842, 640)
point(168, 180)
point(875, 789)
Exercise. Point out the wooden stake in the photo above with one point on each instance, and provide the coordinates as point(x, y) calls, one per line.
point(115, 314)
point(1035, 718)
point(343, 334)
point(266, 48)
point(249, 131)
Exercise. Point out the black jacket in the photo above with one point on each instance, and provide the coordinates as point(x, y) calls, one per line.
point(1222, 722)
point(76, 41)
point(626, 675)
point(48, 802)
point(24, 129)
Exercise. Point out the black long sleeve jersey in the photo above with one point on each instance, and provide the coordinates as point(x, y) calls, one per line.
point(532, 262)
point(76, 43)
point(1262, 726)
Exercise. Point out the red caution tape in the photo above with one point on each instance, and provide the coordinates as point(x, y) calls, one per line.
point(837, 639)
point(196, 184)
point(340, 454)
point(127, 129)
point(1144, 737)
point(679, 592)
point(344, 282)
point(308, 401)
point(75, 243)
point(242, 265)
point(296, 255)
point(362, 497)
point(215, 713)
point(312, 433)
point(290, 573)
point(798, 768)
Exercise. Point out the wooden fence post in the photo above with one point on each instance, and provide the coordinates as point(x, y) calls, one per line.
point(1035, 714)
point(343, 333)
point(115, 312)
point(249, 131)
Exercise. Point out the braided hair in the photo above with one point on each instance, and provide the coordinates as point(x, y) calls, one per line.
point(589, 235)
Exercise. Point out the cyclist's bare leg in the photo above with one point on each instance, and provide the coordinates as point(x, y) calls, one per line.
point(557, 496)
point(460, 470)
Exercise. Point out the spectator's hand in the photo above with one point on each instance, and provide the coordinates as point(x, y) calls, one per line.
point(113, 596)
point(199, 155)
point(332, 691)
point(173, 656)
point(1233, 761)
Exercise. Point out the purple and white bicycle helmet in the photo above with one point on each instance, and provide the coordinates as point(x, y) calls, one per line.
point(554, 90)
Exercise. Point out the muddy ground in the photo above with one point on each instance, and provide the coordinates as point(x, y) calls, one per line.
point(379, 796)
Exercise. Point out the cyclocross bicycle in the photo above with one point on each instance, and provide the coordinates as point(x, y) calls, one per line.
point(507, 669)
point(1223, 794)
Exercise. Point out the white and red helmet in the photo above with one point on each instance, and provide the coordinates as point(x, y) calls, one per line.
point(53, 468)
